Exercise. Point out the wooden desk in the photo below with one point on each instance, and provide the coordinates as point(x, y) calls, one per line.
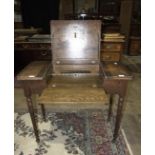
point(115, 78)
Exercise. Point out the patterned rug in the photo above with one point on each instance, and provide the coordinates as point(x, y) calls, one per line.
point(83, 133)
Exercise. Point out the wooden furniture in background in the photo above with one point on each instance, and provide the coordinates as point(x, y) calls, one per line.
point(26, 31)
point(135, 46)
point(112, 46)
point(31, 48)
point(18, 25)
point(75, 79)
point(125, 20)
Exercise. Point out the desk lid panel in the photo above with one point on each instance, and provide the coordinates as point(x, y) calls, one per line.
point(75, 39)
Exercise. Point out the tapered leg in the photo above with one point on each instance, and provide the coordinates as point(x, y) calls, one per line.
point(43, 112)
point(110, 107)
point(32, 115)
point(118, 117)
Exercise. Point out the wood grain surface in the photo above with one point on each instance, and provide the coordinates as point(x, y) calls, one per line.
point(71, 95)
point(34, 71)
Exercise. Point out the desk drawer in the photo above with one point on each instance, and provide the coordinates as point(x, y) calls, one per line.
point(32, 46)
point(110, 56)
point(70, 69)
point(111, 47)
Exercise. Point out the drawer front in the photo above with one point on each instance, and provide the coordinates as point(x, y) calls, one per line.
point(32, 46)
point(110, 56)
point(135, 47)
point(112, 47)
point(75, 61)
point(69, 69)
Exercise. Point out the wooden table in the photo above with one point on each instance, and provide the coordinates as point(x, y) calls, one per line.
point(115, 79)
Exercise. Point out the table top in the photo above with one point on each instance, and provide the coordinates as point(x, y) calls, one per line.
point(37, 71)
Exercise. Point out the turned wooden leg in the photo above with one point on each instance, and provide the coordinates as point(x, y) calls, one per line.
point(118, 117)
point(32, 115)
point(110, 107)
point(43, 112)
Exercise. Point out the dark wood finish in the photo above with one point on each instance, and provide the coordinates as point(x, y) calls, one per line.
point(115, 80)
point(27, 51)
point(125, 20)
point(32, 46)
point(109, 8)
point(33, 80)
point(26, 31)
point(36, 70)
point(74, 42)
point(73, 39)
point(73, 1)
point(43, 112)
point(135, 46)
point(31, 51)
point(76, 88)
point(112, 46)
point(28, 95)
point(112, 56)
point(113, 27)
point(18, 25)
point(110, 107)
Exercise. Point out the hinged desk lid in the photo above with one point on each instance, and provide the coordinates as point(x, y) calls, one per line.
point(75, 39)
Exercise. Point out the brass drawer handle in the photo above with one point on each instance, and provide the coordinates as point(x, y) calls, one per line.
point(43, 53)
